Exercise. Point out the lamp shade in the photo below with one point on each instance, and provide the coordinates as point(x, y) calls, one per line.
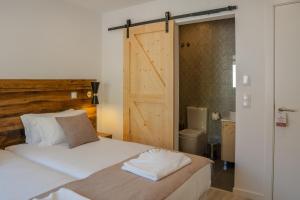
point(95, 100)
point(95, 88)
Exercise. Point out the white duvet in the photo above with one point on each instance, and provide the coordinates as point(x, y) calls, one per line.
point(81, 161)
point(63, 194)
point(22, 179)
point(89, 158)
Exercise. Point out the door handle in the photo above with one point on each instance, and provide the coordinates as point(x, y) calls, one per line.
point(286, 110)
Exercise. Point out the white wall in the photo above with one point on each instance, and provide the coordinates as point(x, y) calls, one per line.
point(253, 177)
point(48, 39)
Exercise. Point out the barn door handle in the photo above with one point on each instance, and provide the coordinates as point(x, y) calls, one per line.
point(286, 110)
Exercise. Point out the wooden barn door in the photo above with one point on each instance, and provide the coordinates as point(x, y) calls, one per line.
point(149, 85)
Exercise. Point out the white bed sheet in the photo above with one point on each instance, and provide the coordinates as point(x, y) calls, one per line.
point(21, 179)
point(83, 160)
point(87, 159)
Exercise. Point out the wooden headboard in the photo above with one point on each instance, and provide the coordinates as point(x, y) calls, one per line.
point(18, 97)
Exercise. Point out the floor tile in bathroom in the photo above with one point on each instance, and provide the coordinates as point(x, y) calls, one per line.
point(223, 179)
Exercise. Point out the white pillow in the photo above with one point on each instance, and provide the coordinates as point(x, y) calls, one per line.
point(31, 132)
point(49, 130)
point(41, 126)
point(26, 123)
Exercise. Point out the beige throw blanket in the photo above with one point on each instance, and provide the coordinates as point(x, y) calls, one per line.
point(113, 183)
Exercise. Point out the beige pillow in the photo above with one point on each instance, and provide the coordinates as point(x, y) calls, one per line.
point(78, 130)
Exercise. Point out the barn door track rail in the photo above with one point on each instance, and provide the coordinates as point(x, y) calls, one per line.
point(169, 17)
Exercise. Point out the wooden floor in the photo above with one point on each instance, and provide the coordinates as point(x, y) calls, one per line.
point(217, 194)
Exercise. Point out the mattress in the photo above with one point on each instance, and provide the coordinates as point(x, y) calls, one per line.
point(87, 159)
point(195, 187)
point(23, 179)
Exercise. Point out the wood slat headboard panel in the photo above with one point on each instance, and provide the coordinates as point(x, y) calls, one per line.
point(18, 97)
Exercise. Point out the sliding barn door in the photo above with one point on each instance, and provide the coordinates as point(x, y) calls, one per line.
point(149, 85)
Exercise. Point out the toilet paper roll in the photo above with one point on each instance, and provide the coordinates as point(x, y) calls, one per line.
point(215, 116)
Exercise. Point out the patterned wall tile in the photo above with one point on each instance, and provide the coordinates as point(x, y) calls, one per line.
point(205, 76)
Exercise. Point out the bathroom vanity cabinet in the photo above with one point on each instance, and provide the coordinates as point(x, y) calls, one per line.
point(228, 142)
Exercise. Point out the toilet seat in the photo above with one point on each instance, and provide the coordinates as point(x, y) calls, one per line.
point(191, 132)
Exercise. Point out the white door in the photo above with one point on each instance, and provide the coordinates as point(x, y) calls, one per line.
point(287, 96)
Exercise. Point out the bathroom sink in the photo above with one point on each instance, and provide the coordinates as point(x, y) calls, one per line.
point(232, 116)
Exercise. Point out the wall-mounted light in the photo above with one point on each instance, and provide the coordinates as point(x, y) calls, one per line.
point(95, 88)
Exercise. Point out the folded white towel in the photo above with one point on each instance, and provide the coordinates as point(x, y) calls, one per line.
point(64, 194)
point(155, 164)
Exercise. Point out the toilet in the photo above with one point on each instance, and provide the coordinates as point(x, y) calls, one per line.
point(193, 140)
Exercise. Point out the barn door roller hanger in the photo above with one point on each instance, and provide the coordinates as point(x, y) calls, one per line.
point(168, 17)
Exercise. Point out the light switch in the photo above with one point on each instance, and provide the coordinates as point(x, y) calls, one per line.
point(246, 101)
point(74, 95)
point(246, 80)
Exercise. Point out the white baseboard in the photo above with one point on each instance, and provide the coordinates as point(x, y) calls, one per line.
point(248, 194)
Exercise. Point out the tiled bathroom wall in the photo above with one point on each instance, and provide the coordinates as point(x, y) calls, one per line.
point(206, 59)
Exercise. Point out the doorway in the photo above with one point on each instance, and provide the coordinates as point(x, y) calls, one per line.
point(207, 82)
point(150, 85)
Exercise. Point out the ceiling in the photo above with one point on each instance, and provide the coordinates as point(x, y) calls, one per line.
point(107, 5)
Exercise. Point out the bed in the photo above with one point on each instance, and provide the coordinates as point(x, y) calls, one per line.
point(29, 169)
point(89, 158)
point(23, 179)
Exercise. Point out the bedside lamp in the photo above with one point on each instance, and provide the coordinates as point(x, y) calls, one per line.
point(95, 88)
